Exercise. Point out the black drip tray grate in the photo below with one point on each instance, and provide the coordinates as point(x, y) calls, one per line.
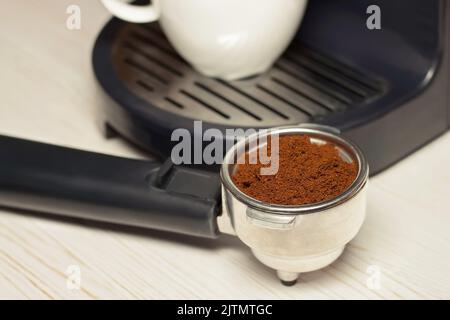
point(303, 85)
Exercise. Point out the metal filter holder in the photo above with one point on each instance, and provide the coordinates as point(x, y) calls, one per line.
point(295, 239)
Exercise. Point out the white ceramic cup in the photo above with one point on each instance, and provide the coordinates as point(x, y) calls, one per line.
point(228, 39)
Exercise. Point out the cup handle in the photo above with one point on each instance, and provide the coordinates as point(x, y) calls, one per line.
point(132, 13)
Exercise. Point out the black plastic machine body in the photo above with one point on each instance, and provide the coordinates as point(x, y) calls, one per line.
point(387, 89)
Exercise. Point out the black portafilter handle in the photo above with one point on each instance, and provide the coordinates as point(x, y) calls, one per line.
point(47, 178)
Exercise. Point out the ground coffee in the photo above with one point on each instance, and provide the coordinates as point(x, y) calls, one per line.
point(307, 173)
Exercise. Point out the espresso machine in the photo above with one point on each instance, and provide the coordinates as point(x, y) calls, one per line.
point(385, 89)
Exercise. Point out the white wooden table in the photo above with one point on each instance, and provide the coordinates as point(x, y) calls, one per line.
point(48, 93)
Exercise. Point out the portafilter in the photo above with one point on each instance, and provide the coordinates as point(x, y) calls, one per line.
point(290, 239)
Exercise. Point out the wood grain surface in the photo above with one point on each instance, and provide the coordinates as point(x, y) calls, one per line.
point(48, 93)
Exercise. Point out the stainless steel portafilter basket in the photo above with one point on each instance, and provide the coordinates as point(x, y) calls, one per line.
point(150, 194)
point(295, 239)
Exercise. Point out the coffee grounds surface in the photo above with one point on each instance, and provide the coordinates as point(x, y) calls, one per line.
point(307, 173)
